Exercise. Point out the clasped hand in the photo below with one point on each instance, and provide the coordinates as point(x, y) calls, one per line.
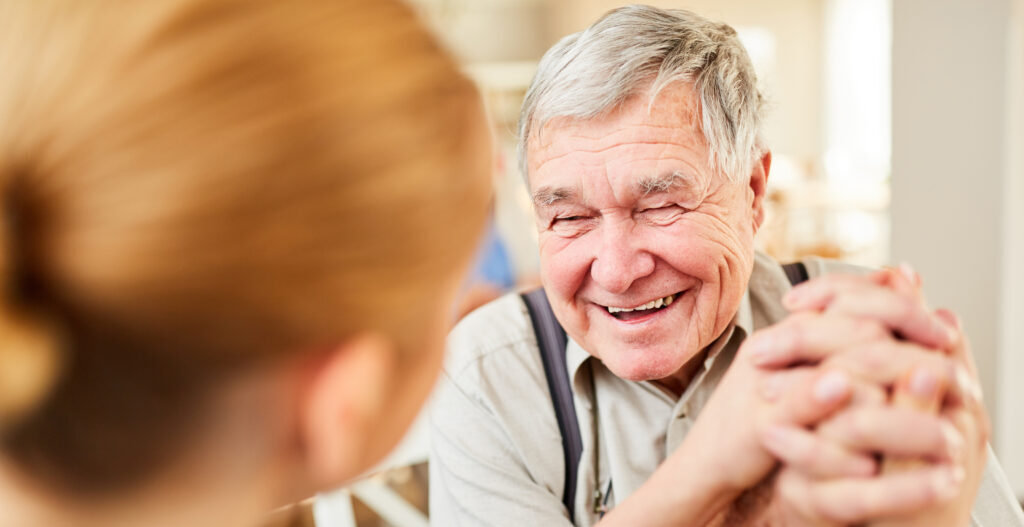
point(862, 407)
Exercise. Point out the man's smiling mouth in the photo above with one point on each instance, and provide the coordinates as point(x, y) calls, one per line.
point(631, 313)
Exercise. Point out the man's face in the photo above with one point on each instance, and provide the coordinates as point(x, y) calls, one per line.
point(645, 252)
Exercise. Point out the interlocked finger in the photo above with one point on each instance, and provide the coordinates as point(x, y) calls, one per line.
point(809, 453)
point(896, 432)
point(856, 500)
point(862, 297)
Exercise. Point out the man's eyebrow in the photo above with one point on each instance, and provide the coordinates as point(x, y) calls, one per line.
point(665, 182)
point(545, 196)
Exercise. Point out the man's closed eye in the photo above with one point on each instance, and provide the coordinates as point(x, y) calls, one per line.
point(662, 215)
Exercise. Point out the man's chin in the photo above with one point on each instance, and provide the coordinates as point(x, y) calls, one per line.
point(644, 365)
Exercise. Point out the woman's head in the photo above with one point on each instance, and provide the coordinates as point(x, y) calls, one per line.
point(194, 189)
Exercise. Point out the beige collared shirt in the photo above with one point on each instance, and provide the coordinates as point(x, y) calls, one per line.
point(496, 448)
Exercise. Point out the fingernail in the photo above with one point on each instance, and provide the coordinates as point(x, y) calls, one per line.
point(954, 441)
point(946, 482)
point(940, 327)
point(968, 387)
point(923, 384)
point(909, 273)
point(949, 318)
point(831, 387)
point(951, 333)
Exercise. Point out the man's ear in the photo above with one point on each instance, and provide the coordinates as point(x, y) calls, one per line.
point(344, 400)
point(759, 186)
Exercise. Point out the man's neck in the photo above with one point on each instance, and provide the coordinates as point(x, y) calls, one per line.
point(677, 383)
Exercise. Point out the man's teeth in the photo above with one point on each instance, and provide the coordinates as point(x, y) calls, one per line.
point(666, 301)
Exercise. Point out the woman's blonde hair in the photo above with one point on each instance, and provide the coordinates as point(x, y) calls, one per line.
point(191, 185)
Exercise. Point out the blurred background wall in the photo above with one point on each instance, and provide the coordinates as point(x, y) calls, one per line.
point(1011, 366)
point(956, 183)
point(897, 128)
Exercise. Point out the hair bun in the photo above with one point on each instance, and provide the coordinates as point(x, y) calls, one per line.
point(29, 365)
point(29, 345)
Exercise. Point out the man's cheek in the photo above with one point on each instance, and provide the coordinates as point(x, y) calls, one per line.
point(564, 267)
point(685, 240)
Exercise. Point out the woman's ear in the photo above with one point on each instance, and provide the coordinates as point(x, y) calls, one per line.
point(345, 397)
point(759, 186)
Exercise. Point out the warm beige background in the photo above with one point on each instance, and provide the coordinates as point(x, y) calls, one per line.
point(956, 184)
point(1011, 368)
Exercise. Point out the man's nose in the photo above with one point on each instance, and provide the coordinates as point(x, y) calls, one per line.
point(621, 259)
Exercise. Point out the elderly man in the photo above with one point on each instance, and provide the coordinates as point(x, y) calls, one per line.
point(705, 390)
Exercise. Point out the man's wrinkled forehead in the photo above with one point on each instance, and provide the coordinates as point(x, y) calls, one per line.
point(673, 116)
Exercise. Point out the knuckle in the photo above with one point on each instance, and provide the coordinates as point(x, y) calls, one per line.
point(866, 360)
point(928, 494)
point(858, 425)
point(831, 430)
point(796, 337)
point(799, 327)
point(811, 456)
point(869, 394)
point(876, 356)
point(869, 329)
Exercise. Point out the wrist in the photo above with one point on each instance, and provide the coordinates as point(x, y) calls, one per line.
point(704, 466)
point(687, 489)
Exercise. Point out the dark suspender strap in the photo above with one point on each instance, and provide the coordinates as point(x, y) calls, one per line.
point(796, 272)
point(551, 340)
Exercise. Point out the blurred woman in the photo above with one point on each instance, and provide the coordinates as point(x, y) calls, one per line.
point(231, 232)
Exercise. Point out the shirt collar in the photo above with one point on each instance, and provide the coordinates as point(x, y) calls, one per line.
point(575, 357)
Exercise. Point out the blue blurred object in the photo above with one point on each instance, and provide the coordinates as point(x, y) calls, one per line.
point(492, 265)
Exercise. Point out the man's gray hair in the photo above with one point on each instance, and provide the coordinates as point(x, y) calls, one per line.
point(587, 74)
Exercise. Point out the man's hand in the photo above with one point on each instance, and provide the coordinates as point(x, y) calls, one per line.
point(842, 449)
point(751, 400)
point(815, 486)
point(968, 418)
point(778, 379)
point(778, 397)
